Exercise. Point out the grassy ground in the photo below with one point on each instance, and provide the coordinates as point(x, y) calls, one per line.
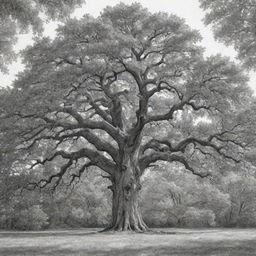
point(175, 242)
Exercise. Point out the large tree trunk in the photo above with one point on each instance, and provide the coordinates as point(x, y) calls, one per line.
point(125, 210)
point(126, 187)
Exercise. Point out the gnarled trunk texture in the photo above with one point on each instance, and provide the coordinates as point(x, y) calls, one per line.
point(126, 186)
point(125, 211)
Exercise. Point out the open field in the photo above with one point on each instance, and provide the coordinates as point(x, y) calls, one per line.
point(175, 242)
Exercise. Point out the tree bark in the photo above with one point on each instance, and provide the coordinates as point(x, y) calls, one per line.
point(126, 187)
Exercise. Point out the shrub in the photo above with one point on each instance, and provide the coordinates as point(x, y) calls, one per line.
point(33, 218)
point(194, 217)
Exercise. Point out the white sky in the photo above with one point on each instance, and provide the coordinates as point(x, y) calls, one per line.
point(187, 9)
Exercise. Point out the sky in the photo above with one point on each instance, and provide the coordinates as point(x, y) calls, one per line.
point(187, 9)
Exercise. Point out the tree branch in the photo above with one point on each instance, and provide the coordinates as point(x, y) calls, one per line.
point(165, 156)
point(95, 157)
point(174, 108)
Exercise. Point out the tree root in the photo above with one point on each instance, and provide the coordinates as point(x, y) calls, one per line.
point(116, 228)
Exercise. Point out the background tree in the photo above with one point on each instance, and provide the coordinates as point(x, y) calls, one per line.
point(18, 16)
point(182, 199)
point(122, 92)
point(234, 24)
point(242, 210)
point(87, 204)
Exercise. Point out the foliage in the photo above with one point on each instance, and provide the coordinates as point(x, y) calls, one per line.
point(19, 15)
point(85, 205)
point(242, 210)
point(172, 198)
point(33, 218)
point(198, 218)
point(76, 87)
point(234, 24)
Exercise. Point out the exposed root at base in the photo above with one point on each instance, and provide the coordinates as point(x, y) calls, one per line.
point(148, 231)
point(129, 229)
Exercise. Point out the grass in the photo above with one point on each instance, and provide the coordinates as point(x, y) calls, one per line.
point(175, 242)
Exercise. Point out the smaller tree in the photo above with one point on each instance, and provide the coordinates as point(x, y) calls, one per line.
point(175, 198)
point(242, 191)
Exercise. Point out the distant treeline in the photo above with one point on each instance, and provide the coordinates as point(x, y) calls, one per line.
point(170, 198)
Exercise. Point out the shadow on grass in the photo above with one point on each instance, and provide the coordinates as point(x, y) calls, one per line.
point(27, 234)
point(236, 248)
point(20, 234)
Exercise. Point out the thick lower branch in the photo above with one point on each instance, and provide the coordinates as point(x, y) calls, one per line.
point(96, 158)
point(163, 156)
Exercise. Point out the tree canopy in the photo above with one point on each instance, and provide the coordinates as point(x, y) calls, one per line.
point(19, 15)
point(234, 24)
point(121, 92)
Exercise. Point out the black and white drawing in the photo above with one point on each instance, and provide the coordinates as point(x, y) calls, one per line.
point(127, 128)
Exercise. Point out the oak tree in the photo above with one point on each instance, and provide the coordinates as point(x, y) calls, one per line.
point(122, 92)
